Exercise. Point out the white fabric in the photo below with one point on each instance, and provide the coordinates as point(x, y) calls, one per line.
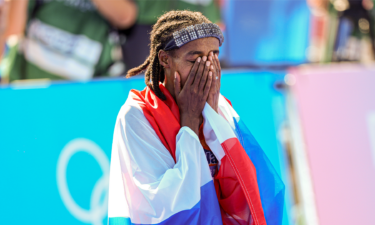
point(60, 52)
point(145, 183)
point(218, 127)
point(153, 187)
point(227, 111)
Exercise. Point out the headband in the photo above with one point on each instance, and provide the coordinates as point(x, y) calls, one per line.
point(194, 32)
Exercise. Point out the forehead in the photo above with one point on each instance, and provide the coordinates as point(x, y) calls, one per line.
point(203, 45)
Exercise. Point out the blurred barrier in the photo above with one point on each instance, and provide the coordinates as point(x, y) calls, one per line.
point(55, 143)
point(334, 142)
point(264, 33)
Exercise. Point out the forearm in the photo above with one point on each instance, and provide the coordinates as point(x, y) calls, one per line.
point(120, 13)
point(2, 44)
point(13, 16)
point(3, 24)
point(17, 17)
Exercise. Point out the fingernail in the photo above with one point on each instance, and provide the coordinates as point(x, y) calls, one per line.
point(204, 58)
point(210, 74)
point(175, 75)
point(211, 53)
point(199, 59)
point(208, 63)
point(212, 67)
point(216, 56)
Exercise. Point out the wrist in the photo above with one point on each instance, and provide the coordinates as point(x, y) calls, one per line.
point(189, 121)
point(217, 103)
point(214, 105)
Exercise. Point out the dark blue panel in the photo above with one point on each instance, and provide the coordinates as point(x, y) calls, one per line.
point(271, 187)
point(205, 212)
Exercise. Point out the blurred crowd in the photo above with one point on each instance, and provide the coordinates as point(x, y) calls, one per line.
point(81, 39)
point(342, 30)
point(85, 39)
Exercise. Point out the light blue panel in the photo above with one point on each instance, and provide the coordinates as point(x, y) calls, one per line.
point(38, 125)
point(272, 32)
point(262, 108)
point(35, 125)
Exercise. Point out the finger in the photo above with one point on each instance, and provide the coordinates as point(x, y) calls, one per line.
point(215, 69)
point(214, 80)
point(177, 84)
point(211, 57)
point(207, 88)
point(218, 66)
point(214, 62)
point(217, 76)
point(204, 77)
point(199, 74)
point(193, 71)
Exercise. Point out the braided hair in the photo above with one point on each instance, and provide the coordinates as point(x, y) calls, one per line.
point(161, 33)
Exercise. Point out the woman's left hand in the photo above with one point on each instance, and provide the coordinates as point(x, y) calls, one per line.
point(213, 96)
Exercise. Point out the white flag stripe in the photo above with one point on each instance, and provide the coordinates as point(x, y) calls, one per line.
point(222, 129)
point(154, 187)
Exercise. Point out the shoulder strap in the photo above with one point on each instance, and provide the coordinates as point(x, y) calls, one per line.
point(33, 11)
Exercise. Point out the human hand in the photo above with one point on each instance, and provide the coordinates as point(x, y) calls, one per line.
point(193, 96)
point(213, 96)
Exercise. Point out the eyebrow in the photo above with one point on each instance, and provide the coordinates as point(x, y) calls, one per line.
point(201, 53)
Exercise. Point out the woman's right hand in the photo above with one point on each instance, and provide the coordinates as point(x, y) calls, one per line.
point(193, 96)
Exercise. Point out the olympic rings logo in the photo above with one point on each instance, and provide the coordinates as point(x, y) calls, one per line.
point(97, 211)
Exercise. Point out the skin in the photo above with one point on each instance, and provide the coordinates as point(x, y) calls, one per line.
point(120, 13)
point(4, 11)
point(193, 75)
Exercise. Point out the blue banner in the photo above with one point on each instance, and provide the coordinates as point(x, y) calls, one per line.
point(55, 143)
point(268, 32)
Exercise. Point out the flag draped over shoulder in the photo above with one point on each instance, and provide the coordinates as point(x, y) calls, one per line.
point(159, 173)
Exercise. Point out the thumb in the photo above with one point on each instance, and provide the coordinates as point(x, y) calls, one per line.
point(177, 84)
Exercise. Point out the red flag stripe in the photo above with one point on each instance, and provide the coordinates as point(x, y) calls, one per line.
point(246, 176)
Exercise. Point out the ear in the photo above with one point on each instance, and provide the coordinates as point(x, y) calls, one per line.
point(164, 59)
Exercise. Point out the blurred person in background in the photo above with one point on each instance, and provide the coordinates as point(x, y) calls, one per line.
point(136, 49)
point(355, 38)
point(342, 30)
point(66, 39)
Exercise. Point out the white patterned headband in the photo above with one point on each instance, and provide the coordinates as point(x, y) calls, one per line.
point(194, 32)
